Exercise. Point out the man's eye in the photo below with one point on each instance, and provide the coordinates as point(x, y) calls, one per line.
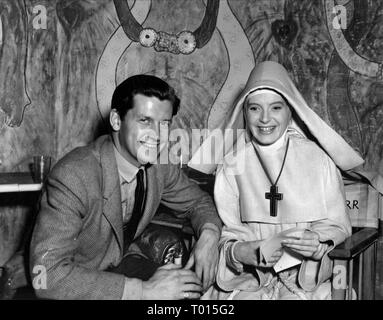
point(145, 121)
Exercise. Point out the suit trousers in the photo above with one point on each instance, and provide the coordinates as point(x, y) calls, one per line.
point(136, 266)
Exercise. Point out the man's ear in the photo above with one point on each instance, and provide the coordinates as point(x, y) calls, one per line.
point(115, 120)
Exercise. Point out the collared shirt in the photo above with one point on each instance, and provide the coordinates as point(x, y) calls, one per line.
point(128, 182)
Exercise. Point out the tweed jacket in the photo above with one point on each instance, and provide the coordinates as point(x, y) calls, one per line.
point(78, 231)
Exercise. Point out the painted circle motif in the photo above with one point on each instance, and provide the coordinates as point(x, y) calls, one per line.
point(148, 37)
point(186, 42)
point(119, 44)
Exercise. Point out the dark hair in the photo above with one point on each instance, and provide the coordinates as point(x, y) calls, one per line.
point(146, 85)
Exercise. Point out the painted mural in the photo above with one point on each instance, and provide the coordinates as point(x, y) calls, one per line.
point(57, 78)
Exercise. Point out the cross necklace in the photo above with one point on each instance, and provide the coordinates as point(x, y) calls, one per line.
point(273, 195)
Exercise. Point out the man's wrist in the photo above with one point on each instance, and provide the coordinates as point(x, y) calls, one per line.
point(133, 289)
point(212, 230)
point(145, 291)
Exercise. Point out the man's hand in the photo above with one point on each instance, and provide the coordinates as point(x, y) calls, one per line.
point(170, 282)
point(307, 246)
point(205, 257)
point(247, 252)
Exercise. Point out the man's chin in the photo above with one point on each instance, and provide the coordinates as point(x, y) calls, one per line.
point(148, 159)
point(151, 155)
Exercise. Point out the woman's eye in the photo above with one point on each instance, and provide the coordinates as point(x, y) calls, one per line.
point(277, 107)
point(253, 108)
point(280, 106)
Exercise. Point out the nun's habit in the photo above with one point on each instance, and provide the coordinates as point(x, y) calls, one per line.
point(312, 188)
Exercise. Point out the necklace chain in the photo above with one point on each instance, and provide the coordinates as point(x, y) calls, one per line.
point(264, 166)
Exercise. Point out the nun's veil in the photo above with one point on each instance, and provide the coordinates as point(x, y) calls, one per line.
point(272, 75)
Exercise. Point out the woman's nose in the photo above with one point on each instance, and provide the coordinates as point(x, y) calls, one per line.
point(265, 117)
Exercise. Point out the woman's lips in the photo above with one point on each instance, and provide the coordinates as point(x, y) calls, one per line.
point(266, 130)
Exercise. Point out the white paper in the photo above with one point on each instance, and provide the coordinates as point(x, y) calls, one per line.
point(269, 246)
point(287, 260)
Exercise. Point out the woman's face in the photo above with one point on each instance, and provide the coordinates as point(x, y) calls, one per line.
point(267, 116)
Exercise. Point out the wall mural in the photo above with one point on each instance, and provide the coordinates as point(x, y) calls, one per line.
point(355, 77)
point(14, 97)
point(56, 83)
point(138, 33)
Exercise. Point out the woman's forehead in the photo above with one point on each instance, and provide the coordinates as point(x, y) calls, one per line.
point(264, 95)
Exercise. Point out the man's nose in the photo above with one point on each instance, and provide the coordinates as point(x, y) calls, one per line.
point(155, 128)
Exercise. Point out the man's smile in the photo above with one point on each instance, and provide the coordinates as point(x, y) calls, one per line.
point(149, 144)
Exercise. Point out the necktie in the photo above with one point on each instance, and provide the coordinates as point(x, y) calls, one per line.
point(130, 228)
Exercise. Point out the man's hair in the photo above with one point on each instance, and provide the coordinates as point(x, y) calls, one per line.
point(146, 85)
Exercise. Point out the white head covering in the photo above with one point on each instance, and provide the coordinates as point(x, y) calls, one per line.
point(272, 75)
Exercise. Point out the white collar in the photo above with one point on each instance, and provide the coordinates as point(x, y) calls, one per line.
point(274, 147)
point(126, 170)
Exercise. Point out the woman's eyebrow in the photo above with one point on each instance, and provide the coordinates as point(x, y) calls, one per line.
point(278, 102)
point(251, 102)
point(272, 103)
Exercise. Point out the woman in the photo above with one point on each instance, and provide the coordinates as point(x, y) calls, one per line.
point(287, 183)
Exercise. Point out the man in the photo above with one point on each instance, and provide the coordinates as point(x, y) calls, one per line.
point(99, 198)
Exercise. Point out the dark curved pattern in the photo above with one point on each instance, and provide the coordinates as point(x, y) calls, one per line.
point(204, 32)
point(285, 31)
point(129, 24)
point(70, 15)
point(359, 25)
point(343, 115)
point(338, 101)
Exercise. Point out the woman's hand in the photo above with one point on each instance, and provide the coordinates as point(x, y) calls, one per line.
point(247, 253)
point(307, 246)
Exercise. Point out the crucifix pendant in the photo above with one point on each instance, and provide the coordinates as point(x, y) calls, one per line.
point(273, 196)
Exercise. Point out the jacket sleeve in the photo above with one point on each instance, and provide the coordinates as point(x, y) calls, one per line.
point(230, 274)
point(55, 242)
point(187, 200)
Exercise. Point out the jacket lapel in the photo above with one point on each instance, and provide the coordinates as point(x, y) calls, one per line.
point(111, 189)
point(112, 193)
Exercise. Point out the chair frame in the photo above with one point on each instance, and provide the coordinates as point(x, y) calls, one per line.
point(361, 247)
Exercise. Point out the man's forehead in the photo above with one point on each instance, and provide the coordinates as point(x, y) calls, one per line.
point(151, 107)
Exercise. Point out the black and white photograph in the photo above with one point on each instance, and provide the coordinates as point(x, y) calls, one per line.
point(194, 154)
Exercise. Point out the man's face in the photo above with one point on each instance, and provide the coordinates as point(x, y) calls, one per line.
point(137, 137)
point(267, 116)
